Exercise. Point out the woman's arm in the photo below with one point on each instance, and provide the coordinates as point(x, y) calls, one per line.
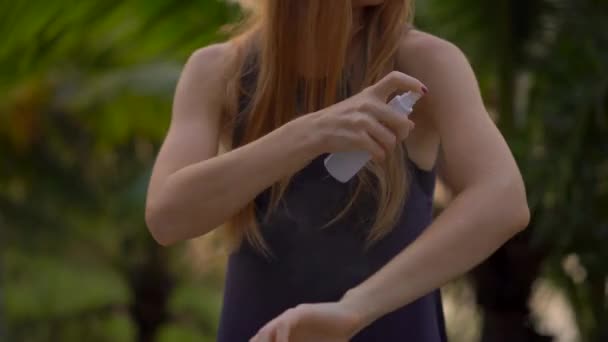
point(490, 204)
point(192, 191)
point(489, 207)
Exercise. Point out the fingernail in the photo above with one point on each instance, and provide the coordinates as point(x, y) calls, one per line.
point(425, 89)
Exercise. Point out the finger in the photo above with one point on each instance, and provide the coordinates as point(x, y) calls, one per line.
point(380, 133)
point(265, 334)
point(398, 123)
point(282, 334)
point(257, 337)
point(397, 81)
point(408, 130)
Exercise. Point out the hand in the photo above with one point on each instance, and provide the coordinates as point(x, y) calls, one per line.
point(323, 322)
point(365, 121)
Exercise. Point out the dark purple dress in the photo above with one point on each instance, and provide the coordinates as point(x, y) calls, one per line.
point(313, 265)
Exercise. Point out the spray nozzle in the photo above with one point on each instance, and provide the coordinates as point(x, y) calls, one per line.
point(407, 100)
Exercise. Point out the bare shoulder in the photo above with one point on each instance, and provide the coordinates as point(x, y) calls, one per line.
point(445, 70)
point(202, 95)
point(429, 58)
point(211, 66)
point(453, 92)
point(424, 42)
point(215, 59)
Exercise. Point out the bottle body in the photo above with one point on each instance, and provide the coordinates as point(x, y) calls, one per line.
point(344, 165)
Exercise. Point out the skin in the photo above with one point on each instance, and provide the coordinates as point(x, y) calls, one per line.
point(193, 190)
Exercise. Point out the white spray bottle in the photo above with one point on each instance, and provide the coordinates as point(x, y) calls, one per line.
point(344, 165)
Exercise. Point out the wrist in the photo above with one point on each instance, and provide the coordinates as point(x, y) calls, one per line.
point(355, 301)
point(307, 134)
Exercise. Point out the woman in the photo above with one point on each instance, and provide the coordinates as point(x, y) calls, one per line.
point(316, 259)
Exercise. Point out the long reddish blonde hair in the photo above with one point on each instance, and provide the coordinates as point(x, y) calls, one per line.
point(301, 47)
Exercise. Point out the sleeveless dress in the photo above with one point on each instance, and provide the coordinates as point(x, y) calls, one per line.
point(312, 265)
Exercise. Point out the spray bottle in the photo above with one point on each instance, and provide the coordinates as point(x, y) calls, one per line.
point(344, 165)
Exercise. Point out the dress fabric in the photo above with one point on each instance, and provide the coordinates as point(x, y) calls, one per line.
point(311, 264)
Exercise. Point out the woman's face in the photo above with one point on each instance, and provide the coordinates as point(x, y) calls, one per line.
point(363, 3)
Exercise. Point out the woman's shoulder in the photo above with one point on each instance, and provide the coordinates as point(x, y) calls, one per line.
point(453, 89)
point(424, 41)
point(213, 70)
point(428, 57)
point(215, 62)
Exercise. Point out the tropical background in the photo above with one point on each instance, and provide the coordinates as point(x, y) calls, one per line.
point(85, 95)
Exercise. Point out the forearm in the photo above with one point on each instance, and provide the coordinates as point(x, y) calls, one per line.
point(198, 198)
point(473, 226)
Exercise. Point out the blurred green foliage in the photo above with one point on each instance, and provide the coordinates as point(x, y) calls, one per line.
point(85, 93)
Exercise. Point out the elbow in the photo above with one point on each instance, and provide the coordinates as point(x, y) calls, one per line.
point(158, 225)
point(519, 214)
point(521, 217)
point(169, 224)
